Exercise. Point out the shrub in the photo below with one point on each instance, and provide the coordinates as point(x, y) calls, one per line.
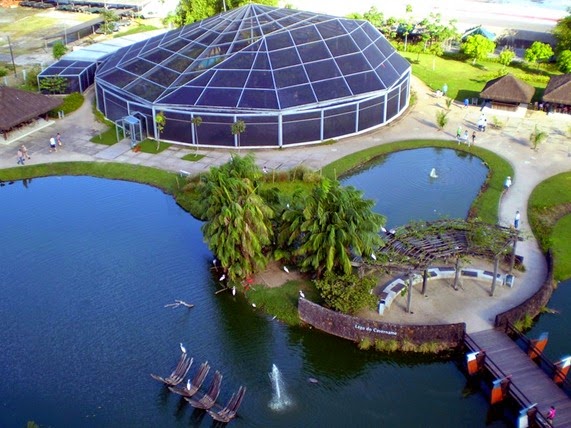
point(3, 71)
point(311, 177)
point(386, 345)
point(347, 293)
point(524, 323)
point(71, 103)
point(365, 344)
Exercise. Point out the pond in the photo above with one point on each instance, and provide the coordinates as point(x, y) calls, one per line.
point(88, 266)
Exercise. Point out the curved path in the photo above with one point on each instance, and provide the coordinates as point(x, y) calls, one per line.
point(512, 142)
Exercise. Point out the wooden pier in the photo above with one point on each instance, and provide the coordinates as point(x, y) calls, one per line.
point(527, 383)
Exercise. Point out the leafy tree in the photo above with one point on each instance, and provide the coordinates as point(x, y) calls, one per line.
point(160, 121)
point(196, 122)
point(506, 56)
point(327, 227)
point(441, 119)
point(189, 11)
point(53, 85)
point(3, 71)
point(109, 16)
point(562, 32)
point(564, 61)
point(237, 128)
point(348, 293)
point(59, 49)
point(375, 17)
point(478, 47)
point(537, 137)
point(406, 25)
point(238, 221)
point(538, 52)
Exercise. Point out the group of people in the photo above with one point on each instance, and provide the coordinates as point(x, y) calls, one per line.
point(507, 185)
point(22, 155)
point(466, 137)
point(55, 142)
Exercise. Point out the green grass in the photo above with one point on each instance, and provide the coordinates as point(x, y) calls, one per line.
point(107, 138)
point(150, 146)
point(282, 301)
point(192, 157)
point(465, 80)
point(135, 28)
point(561, 239)
point(484, 207)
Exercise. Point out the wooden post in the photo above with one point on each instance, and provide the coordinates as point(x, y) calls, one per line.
point(512, 261)
point(409, 297)
point(494, 280)
point(537, 345)
point(424, 280)
point(457, 274)
point(500, 389)
point(475, 362)
point(561, 370)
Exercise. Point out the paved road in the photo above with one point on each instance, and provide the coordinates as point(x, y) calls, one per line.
point(511, 142)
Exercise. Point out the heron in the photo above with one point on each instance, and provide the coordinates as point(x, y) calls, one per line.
point(182, 348)
point(223, 277)
point(234, 291)
point(373, 256)
point(286, 269)
point(254, 305)
point(301, 294)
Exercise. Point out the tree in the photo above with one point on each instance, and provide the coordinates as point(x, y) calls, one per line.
point(109, 17)
point(238, 224)
point(478, 47)
point(537, 137)
point(196, 122)
point(375, 17)
point(189, 11)
point(53, 85)
point(237, 128)
point(406, 25)
point(348, 293)
point(326, 228)
point(160, 121)
point(506, 56)
point(538, 52)
point(441, 119)
point(562, 32)
point(564, 61)
point(59, 49)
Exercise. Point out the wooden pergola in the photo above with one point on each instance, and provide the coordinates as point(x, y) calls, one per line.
point(414, 248)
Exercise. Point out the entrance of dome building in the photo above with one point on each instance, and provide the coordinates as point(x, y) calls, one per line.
point(130, 127)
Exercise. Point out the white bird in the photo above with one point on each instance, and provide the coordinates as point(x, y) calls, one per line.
point(223, 277)
point(188, 384)
point(373, 256)
point(254, 305)
point(383, 229)
point(286, 269)
point(214, 261)
point(234, 291)
point(301, 294)
point(182, 348)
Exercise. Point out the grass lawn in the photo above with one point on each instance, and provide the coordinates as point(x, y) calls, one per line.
point(134, 28)
point(192, 157)
point(561, 237)
point(485, 207)
point(465, 80)
point(150, 146)
point(107, 138)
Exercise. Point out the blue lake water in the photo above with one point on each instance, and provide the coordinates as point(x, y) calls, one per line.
point(87, 267)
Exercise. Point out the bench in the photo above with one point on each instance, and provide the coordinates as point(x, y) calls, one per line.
point(184, 173)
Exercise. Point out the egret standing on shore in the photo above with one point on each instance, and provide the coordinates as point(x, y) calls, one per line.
point(182, 348)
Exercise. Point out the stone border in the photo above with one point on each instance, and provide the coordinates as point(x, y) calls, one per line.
point(356, 329)
point(534, 304)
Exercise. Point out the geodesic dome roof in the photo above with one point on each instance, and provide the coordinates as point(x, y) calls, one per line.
point(257, 58)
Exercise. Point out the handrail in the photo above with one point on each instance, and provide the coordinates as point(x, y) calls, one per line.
point(516, 393)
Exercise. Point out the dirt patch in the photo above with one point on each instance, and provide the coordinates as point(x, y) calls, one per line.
point(275, 275)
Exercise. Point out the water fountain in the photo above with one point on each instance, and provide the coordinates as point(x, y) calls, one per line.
point(280, 398)
point(433, 173)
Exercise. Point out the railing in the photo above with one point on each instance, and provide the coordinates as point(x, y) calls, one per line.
point(514, 391)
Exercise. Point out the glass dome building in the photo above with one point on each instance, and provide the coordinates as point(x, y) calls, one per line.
point(292, 77)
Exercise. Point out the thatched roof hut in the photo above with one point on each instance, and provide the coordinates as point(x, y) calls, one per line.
point(507, 92)
point(17, 107)
point(558, 90)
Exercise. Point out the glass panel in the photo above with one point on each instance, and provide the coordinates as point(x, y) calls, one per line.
point(279, 41)
point(341, 46)
point(392, 104)
point(301, 128)
point(349, 25)
point(162, 76)
point(175, 45)
point(322, 70)
point(290, 76)
point(230, 79)
point(208, 38)
point(187, 95)
point(216, 131)
point(351, 64)
point(266, 100)
point(313, 52)
point(361, 38)
point(145, 89)
point(178, 63)
point(384, 46)
point(330, 89)
point(363, 83)
point(262, 61)
point(260, 79)
point(192, 51)
point(178, 129)
point(157, 56)
point(219, 97)
point(296, 96)
point(373, 55)
point(387, 74)
point(370, 113)
point(138, 67)
point(240, 61)
point(339, 122)
point(330, 29)
point(116, 107)
point(259, 131)
point(403, 97)
point(120, 78)
point(305, 35)
point(284, 58)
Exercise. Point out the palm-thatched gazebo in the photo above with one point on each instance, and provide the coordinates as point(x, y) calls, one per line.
point(557, 94)
point(507, 93)
point(19, 107)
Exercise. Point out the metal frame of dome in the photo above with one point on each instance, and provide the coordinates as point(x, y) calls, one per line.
point(293, 77)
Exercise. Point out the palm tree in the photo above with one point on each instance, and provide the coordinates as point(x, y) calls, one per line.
point(537, 137)
point(328, 226)
point(196, 122)
point(441, 119)
point(160, 121)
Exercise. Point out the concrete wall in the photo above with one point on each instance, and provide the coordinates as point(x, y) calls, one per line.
point(355, 328)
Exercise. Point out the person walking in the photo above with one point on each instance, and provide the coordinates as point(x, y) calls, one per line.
point(20, 157)
point(474, 137)
point(551, 415)
point(25, 152)
point(444, 89)
point(516, 220)
point(53, 145)
point(508, 183)
point(58, 139)
point(459, 133)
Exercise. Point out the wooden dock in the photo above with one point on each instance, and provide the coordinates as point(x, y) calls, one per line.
point(529, 383)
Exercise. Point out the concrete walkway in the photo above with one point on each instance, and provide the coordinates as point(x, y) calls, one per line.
point(511, 142)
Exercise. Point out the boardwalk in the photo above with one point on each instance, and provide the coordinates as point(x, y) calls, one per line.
point(529, 383)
